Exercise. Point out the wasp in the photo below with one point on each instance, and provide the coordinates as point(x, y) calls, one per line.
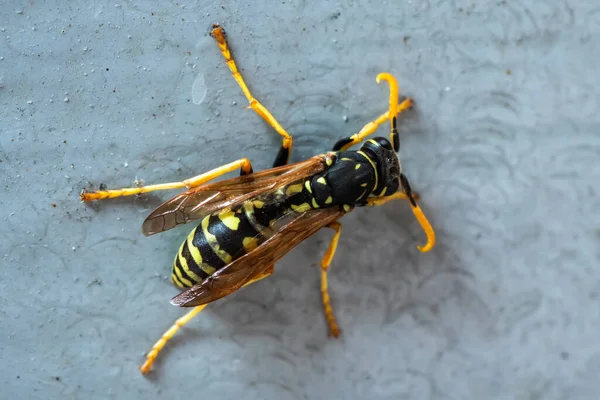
point(249, 222)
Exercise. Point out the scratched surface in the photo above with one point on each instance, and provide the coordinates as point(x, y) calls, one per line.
point(503, 146)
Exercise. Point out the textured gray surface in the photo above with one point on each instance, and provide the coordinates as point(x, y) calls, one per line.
point(503, 146)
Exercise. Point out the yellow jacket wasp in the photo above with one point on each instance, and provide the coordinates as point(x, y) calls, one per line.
point(249, 222)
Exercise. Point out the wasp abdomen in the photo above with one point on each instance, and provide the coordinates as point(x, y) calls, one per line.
point(220, 238)
point(228, 234)
point(223, 237)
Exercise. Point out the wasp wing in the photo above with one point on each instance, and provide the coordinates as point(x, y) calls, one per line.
point(198, 202)
point(295, 228)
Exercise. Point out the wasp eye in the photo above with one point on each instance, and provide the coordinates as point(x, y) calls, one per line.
point(383, 142)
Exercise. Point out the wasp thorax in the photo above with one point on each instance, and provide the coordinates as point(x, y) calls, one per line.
point(349, 180)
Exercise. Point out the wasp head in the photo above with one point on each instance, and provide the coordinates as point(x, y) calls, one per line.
point(381, 152)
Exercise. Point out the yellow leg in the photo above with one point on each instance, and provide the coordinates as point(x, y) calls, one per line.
point(243, 164)
point(284, 153)
point(152, 354)
point(158, 346)
point(377, 201)
point(371, 127)
point(429, 232)
point(334, 330)
point(394, 137)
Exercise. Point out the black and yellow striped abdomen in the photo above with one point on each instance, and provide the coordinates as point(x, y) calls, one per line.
point(230, 233)
point(218, 239)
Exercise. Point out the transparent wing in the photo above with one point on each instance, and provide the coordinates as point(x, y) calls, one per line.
point(198, 202)
point(294, 229)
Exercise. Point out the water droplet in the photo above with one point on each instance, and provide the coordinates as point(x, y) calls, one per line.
point(199, 90)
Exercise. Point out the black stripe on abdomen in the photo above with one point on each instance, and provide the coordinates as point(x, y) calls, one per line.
point(232, 240)
point(191, 263)
point(178, 270)
point(208, 255)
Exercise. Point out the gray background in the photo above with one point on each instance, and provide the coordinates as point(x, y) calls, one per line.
point(503, 147)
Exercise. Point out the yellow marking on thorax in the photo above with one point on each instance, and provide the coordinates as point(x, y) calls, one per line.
point(382, 192)
point(258, 204)
point(213, 243)
point(307, 186)
point(329, 200)
point(293, 189)
point(357, 166)
point(364, 184)
point(229, 219)
point(346, 207)
point(362, 194)
point(372, 165)
point(250, 243)
point(314, 203)
point(322, 181)
point(329, 160)
point(301, 208)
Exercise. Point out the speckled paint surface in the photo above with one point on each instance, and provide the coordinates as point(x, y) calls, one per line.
point(503, 147)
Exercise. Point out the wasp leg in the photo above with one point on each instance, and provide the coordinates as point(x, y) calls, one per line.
point(429, 232)
point(377, 201)
point(243, 164)
point(153, 353)
point(286, 147)
point(371, 127)
point(334, 330)
point(158, 346)
point(389, 78)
